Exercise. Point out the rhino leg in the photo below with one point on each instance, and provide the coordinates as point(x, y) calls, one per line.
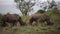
point(14, 23)
point(4, 24)
point(31, 21)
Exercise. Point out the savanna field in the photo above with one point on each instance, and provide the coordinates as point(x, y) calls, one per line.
point(41, 28)
point(21, 11)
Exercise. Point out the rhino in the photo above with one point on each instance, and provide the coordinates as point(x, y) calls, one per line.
point(12, 18)
point(36, 17)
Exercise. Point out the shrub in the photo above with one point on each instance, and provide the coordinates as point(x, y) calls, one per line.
point(40, 11)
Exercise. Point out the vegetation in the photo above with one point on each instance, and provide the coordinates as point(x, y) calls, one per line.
point(0, 19)
point(24, 6)
point(28, 30)
point(41, 11)
point(42, 28)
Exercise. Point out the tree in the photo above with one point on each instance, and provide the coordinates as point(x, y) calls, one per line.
point(52, 4)
point(24, 6)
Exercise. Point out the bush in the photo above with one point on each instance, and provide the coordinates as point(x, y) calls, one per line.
point(24, 18)
point(0, 18)
point(40, 11)
point(55, 17)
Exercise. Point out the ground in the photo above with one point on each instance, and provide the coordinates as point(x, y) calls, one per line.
point(30, 29)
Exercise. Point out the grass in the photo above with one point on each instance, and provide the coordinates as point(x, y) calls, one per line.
point(32, 29)
point(28, 29)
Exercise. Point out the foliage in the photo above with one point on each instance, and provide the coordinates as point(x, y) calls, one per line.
point(54, 15)
point(52, 11)
point(24, 6)
point(40, 11)
point(52, 4)
point(0, 18)
point(16, 0)
point(25, 18)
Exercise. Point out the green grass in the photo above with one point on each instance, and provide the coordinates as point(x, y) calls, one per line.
point(27, 29)
point(25, 18)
